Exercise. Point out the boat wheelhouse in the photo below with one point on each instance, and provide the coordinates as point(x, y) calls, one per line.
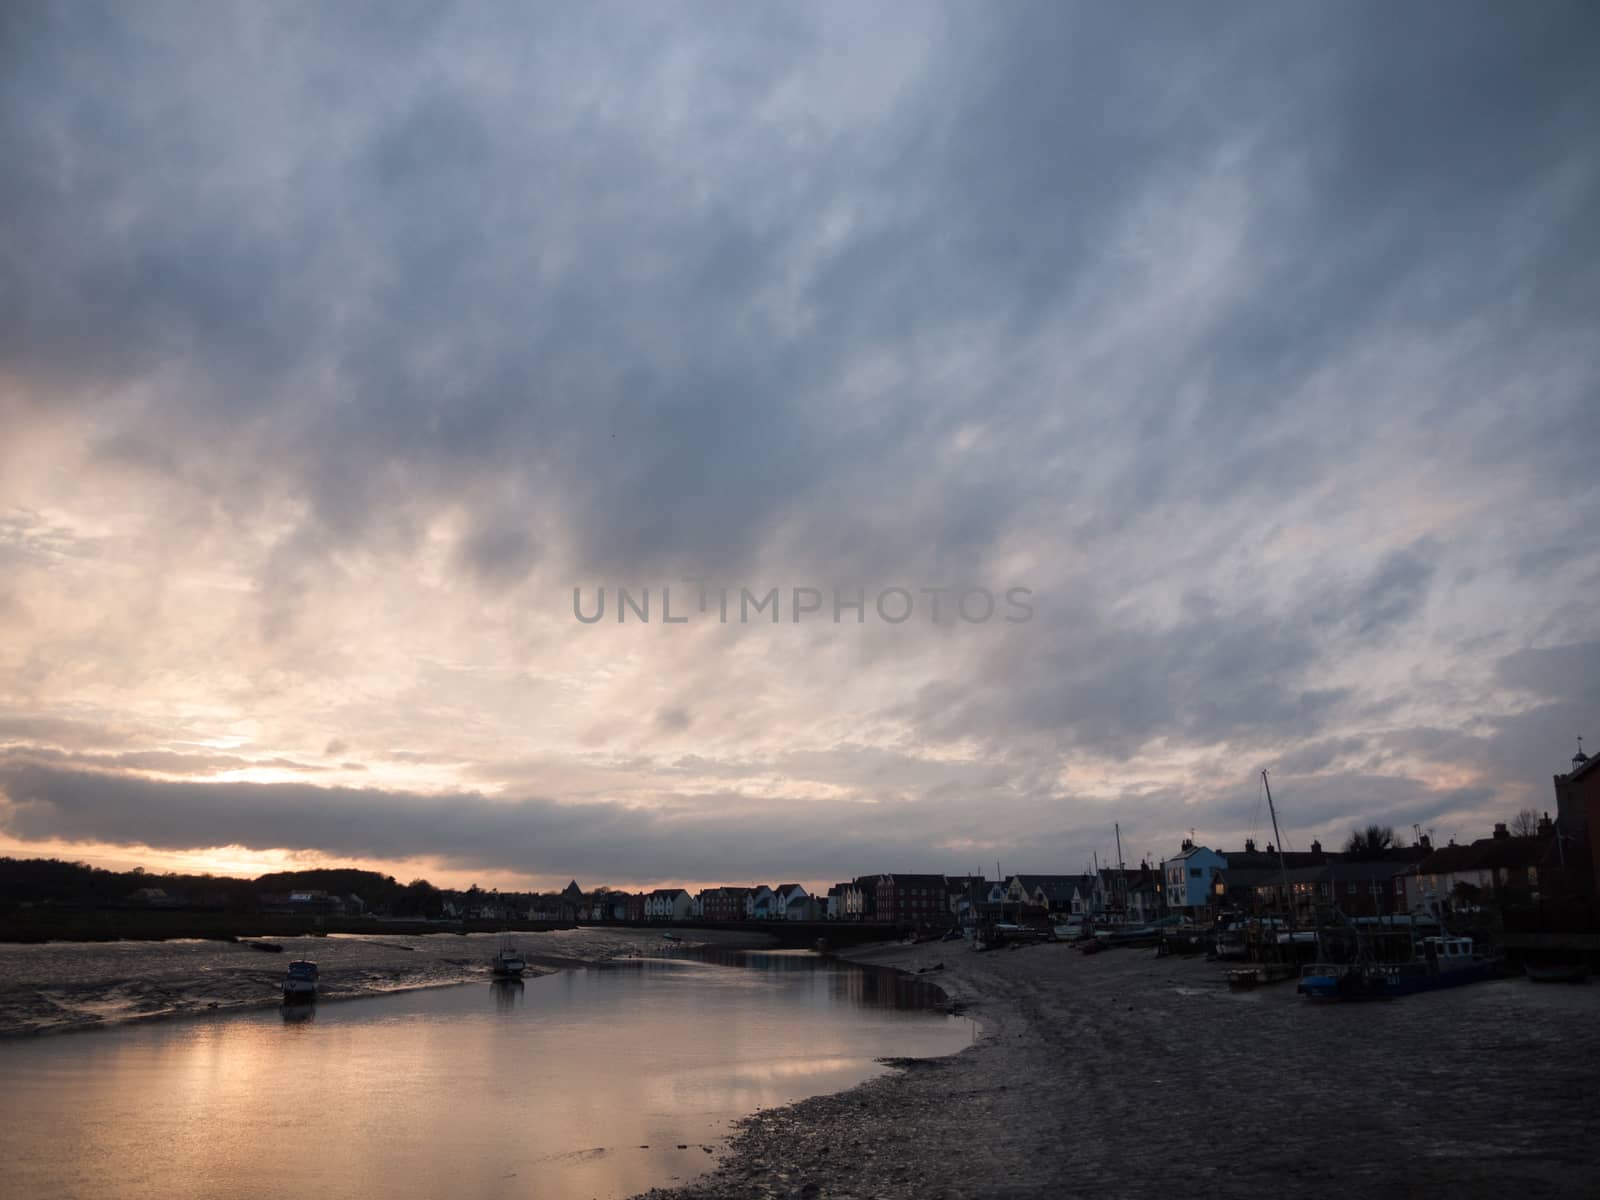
point(508, 963)
point(300, 983)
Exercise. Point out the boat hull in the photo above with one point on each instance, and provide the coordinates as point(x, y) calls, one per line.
point(1390, 984)
point(1556, 972)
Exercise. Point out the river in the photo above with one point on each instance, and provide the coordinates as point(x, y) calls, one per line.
point(599, 1081)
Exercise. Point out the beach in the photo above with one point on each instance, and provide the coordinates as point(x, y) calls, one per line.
point(1124, 1072)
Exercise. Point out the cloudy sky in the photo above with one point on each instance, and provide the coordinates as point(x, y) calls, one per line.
point(340, 343)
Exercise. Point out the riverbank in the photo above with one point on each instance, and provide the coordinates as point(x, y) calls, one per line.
point(39, 925)
point(1123, 1073)
point(63, 987)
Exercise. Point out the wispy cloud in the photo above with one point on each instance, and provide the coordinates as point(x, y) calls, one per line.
point(337, 347)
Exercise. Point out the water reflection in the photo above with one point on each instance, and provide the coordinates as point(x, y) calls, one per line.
point(507, 993)
point(866, 986)
point(549, 1088)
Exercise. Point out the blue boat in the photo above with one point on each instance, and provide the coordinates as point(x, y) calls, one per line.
point(1439, 962)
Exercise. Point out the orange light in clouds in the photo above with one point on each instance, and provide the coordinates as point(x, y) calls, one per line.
point(243, 862)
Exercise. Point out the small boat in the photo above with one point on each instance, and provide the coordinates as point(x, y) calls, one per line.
point(669, 936)
point(508, 963)
point(1244, 978)
point(1557, 972)
point(1127, 935)
point(301, 981)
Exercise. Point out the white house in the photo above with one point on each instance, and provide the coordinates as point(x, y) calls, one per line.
point(1186, 877)
point(759, 903)
point(668, 904)
point(836, 900)
point(791, 902)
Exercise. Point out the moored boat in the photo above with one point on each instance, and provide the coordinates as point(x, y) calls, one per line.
point(508, 963)
point(1438, 962)
point(1572, 972)
point(301, 981)
point(1127, 935)
point(1243, 978)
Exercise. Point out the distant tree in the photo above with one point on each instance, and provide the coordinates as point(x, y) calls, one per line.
point(1372, 842)
point(1525, 823)
point(419, 898)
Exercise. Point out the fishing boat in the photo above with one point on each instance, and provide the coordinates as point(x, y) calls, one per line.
point(1575, 972)
point(508, 963)
point(300, 983)
point(1438, 962)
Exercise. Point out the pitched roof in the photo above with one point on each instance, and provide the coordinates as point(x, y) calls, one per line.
point(1482, 855)
point(1057, 888)
point(1191, 851)
point(900, 881)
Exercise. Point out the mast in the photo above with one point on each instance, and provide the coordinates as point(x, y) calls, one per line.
point(1278, 840)
point(1122, 878)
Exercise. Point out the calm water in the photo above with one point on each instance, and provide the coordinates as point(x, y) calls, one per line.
point(553, 1088)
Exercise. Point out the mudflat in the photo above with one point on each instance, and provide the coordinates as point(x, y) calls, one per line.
point(1125, 1074)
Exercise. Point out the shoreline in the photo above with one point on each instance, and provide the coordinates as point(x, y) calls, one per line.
point(1122, 1072)
point(540, 966)
point(159, 925)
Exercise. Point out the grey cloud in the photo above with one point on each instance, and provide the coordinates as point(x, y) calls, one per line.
point(1184, 306)
point(530, 835)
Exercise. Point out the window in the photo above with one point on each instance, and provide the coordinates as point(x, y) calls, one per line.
point(1196, 873)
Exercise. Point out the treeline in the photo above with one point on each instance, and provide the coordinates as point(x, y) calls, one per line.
point(54, 881)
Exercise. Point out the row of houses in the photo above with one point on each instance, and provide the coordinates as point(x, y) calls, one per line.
point(1199, 882)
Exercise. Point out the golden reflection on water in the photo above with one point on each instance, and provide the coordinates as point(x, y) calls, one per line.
point(548, 1088)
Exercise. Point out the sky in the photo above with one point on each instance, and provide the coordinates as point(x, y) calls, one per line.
point(339, 344)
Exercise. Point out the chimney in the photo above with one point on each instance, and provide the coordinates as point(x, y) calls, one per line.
point(1269, 848)
point(1316, 847)
point(1426, 843)
point(1500, 830)
point(1187, 844)
point(1546, 826)
point(1249, 845)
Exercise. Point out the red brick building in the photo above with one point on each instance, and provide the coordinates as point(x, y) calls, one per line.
point(913, 899)
point(723, 903)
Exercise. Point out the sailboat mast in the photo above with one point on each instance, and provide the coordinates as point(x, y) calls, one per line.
point(1278, 841)
point(1122, 879)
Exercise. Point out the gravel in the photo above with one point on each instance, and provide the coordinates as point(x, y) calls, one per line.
point(1124, 1073)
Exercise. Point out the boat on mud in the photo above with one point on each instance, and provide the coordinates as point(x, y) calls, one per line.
point(1439, 962)
point(1547, 972)
point(1244, 978)
point(508, 963)
point(300, 984)
point(1127, 935)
